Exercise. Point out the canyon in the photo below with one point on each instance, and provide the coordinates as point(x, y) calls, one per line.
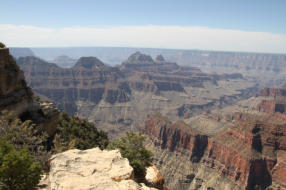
point(124, 96)
point(267, 69)
point(206, 130)
point(241, 146)
point(74, 169)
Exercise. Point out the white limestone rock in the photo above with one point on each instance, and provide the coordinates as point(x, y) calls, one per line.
point(91, 169)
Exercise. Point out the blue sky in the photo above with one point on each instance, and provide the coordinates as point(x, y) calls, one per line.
point(263, 16)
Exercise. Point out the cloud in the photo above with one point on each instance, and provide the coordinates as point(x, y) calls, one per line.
point(177, 37)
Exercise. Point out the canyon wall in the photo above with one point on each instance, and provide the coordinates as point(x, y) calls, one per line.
point(115, 96)
point(248, 152)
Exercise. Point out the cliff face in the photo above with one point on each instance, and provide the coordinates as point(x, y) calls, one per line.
point(87, 80)
point(248, 151)
point(14, 92)
point(276, 101)
point(17, 98)
point(116, 95)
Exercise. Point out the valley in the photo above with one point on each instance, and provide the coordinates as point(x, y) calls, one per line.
point(206, 130)
point(114, 96)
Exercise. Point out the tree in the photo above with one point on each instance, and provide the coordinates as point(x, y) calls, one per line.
point(131, 147)
point(18, 170)
point(25, 135)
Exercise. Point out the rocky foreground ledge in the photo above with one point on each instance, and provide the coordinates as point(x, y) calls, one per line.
point(94, 169)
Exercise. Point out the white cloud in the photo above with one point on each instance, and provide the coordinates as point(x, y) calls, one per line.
point(181, 37)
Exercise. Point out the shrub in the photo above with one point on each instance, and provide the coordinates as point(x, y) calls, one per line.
point(18, 170)
point(131, 147)
point(25, 135)
point(73, 132)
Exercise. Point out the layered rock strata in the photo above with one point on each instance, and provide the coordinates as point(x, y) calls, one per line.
point(113, 96)
point(246, 153)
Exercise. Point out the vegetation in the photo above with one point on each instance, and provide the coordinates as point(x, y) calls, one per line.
point(73, 132)
point(25, 135)
point(18, 170)
point(131, 147)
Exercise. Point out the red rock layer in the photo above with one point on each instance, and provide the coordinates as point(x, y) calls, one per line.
point(273, 92)
point(279, 171)
point(244, 153)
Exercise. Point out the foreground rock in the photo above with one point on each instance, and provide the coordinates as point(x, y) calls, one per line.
point(91, 169)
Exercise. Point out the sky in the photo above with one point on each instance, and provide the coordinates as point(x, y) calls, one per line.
point(227, 25)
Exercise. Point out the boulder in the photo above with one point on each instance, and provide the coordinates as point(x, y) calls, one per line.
point(154, 177)
point(91, 169)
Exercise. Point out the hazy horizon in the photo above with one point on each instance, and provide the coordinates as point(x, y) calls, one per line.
point(215, 25)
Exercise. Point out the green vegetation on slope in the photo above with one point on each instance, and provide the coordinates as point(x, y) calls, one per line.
point(131, 147)
point(18, 170)
point(73, 132)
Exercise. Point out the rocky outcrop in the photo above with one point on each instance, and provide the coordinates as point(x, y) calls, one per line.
point(90, 170)
point(145, 63)
point(279, 170)
point(18, 99)
point(276, 101)
point(14, 92)
point(154, 178)
point(139, 58)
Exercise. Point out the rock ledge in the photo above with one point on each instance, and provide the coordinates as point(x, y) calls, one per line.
point(91, 169)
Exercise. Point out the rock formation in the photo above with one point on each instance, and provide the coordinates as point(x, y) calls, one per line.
point(117, 95)
point(64, 61)
point(14, 92)
point(238, 147)
point(91, 170)
point(17, 98)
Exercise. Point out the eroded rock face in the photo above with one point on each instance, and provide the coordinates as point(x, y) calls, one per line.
point(115, 96)
point(91, 169)
point(275, 102)
point(14, 92)
point(248, 152)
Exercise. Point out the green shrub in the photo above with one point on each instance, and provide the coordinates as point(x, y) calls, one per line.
point(25, 135)
point(18, 170)
point(131, 147)
point(73, 132)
